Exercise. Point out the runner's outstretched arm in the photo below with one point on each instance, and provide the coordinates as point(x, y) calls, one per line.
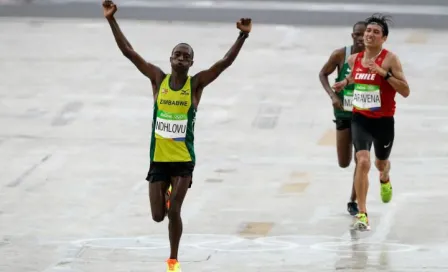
point(154, 73)
point(206, 77)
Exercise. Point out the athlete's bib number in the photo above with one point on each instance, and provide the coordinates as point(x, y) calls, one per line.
point(348, 100)
point(171, 126)
point(367, 97)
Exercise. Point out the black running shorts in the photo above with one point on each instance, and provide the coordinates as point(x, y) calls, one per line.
point(342, 124)
point(163, 171)
point(379, 131)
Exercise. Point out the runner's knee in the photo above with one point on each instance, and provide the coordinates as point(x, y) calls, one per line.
point(157, 199)
point(176, 200)
point(344, 147)
point(180, 188)
point(158, 216)
point(381, 164)
point(363, 161)
point(344, 163)
point(174, 211)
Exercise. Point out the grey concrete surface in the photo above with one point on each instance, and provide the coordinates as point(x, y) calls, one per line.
point(267, 194)
point(406, 13)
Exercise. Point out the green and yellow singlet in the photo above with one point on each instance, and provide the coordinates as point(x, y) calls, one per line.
point(172, 138)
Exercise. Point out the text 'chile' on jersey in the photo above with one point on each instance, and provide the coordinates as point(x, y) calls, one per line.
point(362, 75)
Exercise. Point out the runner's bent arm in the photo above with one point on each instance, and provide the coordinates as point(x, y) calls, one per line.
point(206, 77)
point(351, 63)
point(154, 73)
point(397, 79)
point(328, 68)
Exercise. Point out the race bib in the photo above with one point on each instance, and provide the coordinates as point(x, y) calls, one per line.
point(367, 97)
point(171, 125)
point(348, 100)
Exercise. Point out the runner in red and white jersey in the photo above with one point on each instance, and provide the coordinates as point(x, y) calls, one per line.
point(378, 75)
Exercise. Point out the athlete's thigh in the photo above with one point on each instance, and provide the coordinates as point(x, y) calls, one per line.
point(179, 191)
point(344, 141)
point(384, 137)
point(362, 137)
point(159, 180)
point(181, 179)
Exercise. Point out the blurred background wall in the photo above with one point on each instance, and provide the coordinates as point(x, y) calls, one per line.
point(407, 13)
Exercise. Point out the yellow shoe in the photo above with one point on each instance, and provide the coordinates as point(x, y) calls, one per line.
point(386, 192)
point(172, 266)
point(361, 222)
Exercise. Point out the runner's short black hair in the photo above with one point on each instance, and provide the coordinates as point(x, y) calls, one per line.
point(364, 23)
point(186, 44)
point(382, 20)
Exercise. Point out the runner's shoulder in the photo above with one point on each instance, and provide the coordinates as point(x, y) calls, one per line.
point(390, 58)
point(391, 55)
point(338, 54)
point(353, 56)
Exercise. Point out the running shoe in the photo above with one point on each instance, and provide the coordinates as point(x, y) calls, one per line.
point(172, 266)
point(361, 222)
point(352, 208)
point(386, 192)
